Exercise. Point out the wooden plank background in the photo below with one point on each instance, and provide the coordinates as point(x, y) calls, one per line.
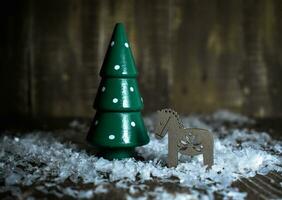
point(195, 56)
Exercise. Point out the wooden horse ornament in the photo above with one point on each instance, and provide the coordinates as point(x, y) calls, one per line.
point(188, 141)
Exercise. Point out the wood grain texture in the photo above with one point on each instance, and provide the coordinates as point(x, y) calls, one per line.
point(261, 187)
point(194, 56)
point(64, 58)
point(14, 59)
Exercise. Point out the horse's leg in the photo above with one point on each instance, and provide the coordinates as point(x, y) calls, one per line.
point(208, 150)
point(172, 150)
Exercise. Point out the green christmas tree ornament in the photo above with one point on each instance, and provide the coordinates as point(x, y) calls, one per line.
point(118, 126)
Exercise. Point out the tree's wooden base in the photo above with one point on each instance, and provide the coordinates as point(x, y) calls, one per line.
point(117, 153)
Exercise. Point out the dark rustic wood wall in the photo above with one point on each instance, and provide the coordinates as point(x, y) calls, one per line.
point(192, 55)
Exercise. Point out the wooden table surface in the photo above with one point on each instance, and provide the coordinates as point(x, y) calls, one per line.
point(258, 187)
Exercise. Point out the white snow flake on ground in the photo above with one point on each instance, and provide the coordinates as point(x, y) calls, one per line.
point(227, 116)
point(40, 157)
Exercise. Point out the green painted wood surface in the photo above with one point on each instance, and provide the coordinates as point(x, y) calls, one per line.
point(118, 126)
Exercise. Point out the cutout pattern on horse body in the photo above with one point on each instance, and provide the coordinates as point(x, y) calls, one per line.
point(187, 141)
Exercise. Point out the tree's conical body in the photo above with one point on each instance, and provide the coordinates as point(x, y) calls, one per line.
point(118, 126)
point(118, 94)
point(119, 54)
point(118, 129)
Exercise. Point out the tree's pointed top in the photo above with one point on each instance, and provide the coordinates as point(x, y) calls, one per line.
point(119, 29)
point(119, 61)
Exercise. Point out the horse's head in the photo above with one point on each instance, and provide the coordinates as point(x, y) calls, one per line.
point(163, 118)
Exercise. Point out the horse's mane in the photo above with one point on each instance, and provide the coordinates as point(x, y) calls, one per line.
point(175, 114)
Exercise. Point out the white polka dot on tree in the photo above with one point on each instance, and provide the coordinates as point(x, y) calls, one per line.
point(116, 67)
point(112, 137)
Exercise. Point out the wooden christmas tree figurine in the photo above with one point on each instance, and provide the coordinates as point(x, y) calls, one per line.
point(118, 126)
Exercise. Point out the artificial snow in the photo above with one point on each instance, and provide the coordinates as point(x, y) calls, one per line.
point(44, 160)
point(227, 116)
